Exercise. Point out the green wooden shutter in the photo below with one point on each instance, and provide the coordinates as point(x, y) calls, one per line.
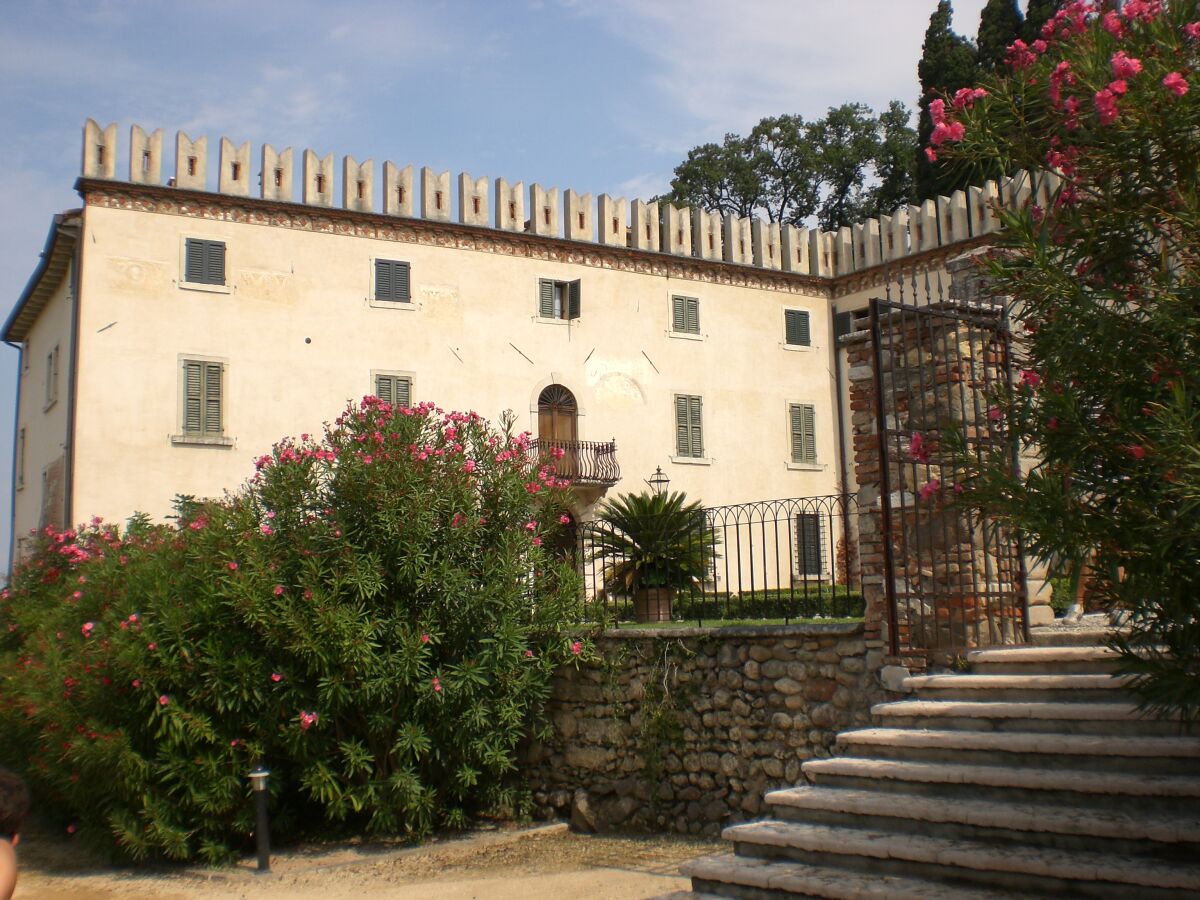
point(212, 398)
point(797, 423)
point(796, 328)
point(383, 280)
point(692, 320)
point(383, 388)
point(193, 265)
point(400, 279)
point(193, 397)
point(683, 443)
point(214, 266)
point(546, 298)
point(808, 543)
point(678, 313)
point(573, 299)
point(695, 426)
point(404, 392)
point(843, 324)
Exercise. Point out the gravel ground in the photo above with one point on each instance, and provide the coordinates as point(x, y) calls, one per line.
point(503, 864)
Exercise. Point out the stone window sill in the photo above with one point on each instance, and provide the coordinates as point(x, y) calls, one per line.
point(806, 467)
point(198, 440)
point(686, 336)
point(692, 460)
point(209, 288)
point(406, 305)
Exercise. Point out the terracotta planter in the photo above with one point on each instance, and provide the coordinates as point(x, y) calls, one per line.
point(653, 604)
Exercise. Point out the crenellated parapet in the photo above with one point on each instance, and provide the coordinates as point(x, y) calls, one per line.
point(900, 239)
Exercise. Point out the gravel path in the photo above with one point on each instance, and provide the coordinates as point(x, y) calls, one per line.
point(506, 864)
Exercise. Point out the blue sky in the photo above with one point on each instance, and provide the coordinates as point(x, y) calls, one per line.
point(602, 96)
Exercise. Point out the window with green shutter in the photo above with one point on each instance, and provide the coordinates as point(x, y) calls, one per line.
point(559, 299)
point(392, 281)
point(202, 398)
point(689, 430)
point(796, 328)
point(685, 315)
point(395, 390)
point(804, 438)
point(204, 261)
point(808, 544)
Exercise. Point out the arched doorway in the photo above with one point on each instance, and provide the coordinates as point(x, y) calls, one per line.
point(558, 417)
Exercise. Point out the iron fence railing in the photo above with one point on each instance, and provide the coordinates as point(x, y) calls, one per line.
point(777, 560)
point(582, 462)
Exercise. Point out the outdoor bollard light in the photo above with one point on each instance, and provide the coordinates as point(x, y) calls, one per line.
point(658, 481)
point(258, 780)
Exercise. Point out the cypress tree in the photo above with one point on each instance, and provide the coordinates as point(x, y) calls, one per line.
point(1037, 15)
point(947, 64)
point(1000, 24)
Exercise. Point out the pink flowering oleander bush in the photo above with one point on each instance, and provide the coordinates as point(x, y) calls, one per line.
point(375, 617)
point(1107, 308)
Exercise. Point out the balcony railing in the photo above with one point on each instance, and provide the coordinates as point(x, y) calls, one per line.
point(582, 462)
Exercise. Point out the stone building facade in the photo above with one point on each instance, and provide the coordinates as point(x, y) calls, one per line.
point(173, 332)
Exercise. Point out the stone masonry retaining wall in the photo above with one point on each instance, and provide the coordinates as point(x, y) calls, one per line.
point(684, 730)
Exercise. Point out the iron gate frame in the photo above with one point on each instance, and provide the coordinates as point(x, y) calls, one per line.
point(980, 319)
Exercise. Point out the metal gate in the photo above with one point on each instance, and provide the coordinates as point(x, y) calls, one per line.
point(954, 580)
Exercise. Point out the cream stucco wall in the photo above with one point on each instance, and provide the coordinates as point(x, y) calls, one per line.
point(300, 336)
point(41, 461)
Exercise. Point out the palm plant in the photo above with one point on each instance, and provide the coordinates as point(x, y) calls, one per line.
point(652, 541)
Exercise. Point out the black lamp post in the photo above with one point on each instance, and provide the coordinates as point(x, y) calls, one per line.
point(658, 481)
point(258, 780)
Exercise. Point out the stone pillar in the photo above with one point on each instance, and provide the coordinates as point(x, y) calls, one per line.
point(358, 185)
point(613, 214)
point(233, 175)
point(435, 195)
point(510, 205)
point(543, 211)
point(397, 190)
point(276, 174)
point(578, 210)
point(643, 226)
point(191, 162)
point(472, 200)
point(99, 150)
point(145, 156)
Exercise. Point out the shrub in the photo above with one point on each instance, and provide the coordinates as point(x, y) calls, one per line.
point(373, 617)
point(1107, 294)
point(837, 601)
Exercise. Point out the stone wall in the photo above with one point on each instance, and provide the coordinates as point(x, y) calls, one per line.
point(684, 730)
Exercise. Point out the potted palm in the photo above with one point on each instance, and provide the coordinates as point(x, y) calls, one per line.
point(650, 546)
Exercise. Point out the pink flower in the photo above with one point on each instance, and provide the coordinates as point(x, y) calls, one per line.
point(458, 520)
point(576, 647)
point(947, 131)
point(233, 567)
point(137, 682)
point(278, 590)
point(270, 514)
point(937, 111)
point(1192, 30)
point(1029, 378)
point(916, 448)
point(529, 654)
point(564, 519)
point(307, 720)
point(1124, 66)
point(958, 488)
point(531, 525)
point(930, 488)
point(71, 828)
point(437, 685)
point(152, 646)
point(558, 452)
point(1106, 106)
point(931, 154)
point(424, 639)
point(265, 529)
point(964, 98)
point(1176, 84)
point(276, 677)
point(1118, 86)
point(87, 629)
point(1136, 451)
point(469, 466)
point(235, 742)
point(1019, 56)
point(163, 700)
point(537, 542)
point(133, 617)
point(1052, 423)
point(1113, 25)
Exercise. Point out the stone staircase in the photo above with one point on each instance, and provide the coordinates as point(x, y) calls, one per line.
point(1032, 776)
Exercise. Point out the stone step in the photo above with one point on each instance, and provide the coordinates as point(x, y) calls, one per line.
point(1031, 871)
point(1044, 660)
point(747, 876)
point(1112, 830)
point(1021, 688)
point(1160, 755)
point(1174, 793)
point(1059, 636)
point(1064, 718)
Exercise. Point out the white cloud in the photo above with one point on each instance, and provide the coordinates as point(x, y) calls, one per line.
point(726, 65)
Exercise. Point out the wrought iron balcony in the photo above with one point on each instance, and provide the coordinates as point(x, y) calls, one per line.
point(582, 462)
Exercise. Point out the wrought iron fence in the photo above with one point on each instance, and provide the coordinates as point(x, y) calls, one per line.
point(777, 560)
point(583, 462)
